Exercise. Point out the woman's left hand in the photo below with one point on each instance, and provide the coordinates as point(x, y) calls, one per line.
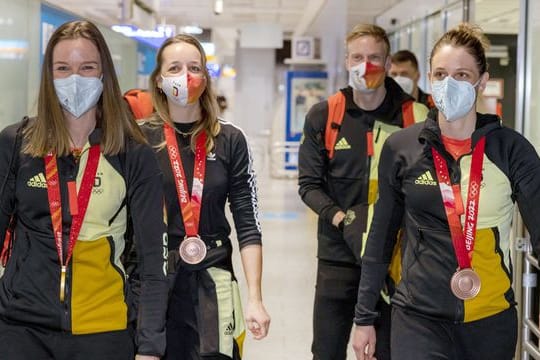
point(257, 319)
point(146, 357)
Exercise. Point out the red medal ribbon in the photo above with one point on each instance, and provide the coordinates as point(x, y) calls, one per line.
point(369, 141)
point(55, 205)
point(191, 207)
point(463, 241)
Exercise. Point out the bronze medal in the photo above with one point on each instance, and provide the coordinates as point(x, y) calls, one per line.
point(192, 250)
point(465, 284)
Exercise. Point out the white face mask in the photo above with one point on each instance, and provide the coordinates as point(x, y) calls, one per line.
point(406, 84)
point(78, 94)
point(453, 98)
point(176, 89)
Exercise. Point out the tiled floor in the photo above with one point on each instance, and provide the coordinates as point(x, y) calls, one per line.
point(289, 243)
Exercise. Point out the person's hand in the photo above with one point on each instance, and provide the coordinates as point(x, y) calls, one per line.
point(338, 218)
point(146, 357)
point(364, 341)
point(257, 319)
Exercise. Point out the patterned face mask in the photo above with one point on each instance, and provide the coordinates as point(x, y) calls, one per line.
point(366, 77)
point(184, 89)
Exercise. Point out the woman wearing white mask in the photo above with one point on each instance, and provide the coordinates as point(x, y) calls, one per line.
point(205, 162)
point(68, 178)
point(452, 182)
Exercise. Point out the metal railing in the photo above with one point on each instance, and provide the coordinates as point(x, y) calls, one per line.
point(529, 325)
point(284, 159)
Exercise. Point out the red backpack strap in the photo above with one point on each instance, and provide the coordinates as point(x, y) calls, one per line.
point(407, 110)
point(140, 103)
point(430, 101)
point(336, 110)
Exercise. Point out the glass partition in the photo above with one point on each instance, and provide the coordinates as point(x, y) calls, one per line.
point(532, 72)
point(19, 55)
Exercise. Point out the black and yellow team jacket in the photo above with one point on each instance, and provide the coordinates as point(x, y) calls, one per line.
point(409, 190)
point(96, 288)
point(350, 177)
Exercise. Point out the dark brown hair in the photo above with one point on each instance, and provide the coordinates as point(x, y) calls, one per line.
point(403, 56)
point(49, 132)
point(469, 37)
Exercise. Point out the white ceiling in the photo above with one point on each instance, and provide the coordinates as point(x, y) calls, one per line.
point(495, 16)
point(236, 13)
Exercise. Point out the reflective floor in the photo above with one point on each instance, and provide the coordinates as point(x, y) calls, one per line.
point(289, 243)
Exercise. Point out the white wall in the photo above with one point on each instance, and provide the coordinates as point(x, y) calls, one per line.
point(254, 95)
point(331, 27)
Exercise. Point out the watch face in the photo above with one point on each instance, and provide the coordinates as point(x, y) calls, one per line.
point(303, 48)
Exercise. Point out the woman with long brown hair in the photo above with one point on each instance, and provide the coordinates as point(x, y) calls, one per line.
point(205, 162)
point(83, 169)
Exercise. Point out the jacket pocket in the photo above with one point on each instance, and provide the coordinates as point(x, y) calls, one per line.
point(15, 264)
point(429, 266)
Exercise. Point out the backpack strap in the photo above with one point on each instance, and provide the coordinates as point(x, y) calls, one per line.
point(336, 110)
point(430, 101)
point(407, 110)
point(140, 103)
point(7, 245)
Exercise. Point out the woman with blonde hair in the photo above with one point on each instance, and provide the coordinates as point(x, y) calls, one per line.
point(452, 184)
point(205, 162)
point(82, 162)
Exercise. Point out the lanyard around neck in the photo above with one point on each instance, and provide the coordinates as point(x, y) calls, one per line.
point(190, 206)
point(462, 239)
point(55, 206)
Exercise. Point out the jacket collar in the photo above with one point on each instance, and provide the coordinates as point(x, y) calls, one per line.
point(390, 109)
point(431, 133)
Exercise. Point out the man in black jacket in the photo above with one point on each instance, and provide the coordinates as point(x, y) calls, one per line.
point(340, 185)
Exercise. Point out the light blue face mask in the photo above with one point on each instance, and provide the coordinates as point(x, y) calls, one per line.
point(453, 98)
point(78, 94)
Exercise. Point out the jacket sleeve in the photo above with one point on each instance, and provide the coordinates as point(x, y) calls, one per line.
point(145, 201)
point(313, 164)
point(386, 223)
point(524, 166)
point(7, 177)
point(243, 199)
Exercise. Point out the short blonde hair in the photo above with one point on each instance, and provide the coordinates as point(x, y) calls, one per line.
point(375, 31)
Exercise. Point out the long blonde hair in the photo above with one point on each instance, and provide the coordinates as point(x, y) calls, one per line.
point(208, 103)
point(49, 132)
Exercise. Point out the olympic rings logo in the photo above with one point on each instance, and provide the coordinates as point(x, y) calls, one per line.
point(474, 188)
point(173, 152)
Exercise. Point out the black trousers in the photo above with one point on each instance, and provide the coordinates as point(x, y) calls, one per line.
point(182, 323)
point(22, 342)
point(335, 297)
point(419, 338)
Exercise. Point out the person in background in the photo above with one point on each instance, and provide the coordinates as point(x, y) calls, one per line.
point(84, 168)
point(206, 162)
point(222, 104)
point(339, 182)
point(404, 71)
point(451, 184)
